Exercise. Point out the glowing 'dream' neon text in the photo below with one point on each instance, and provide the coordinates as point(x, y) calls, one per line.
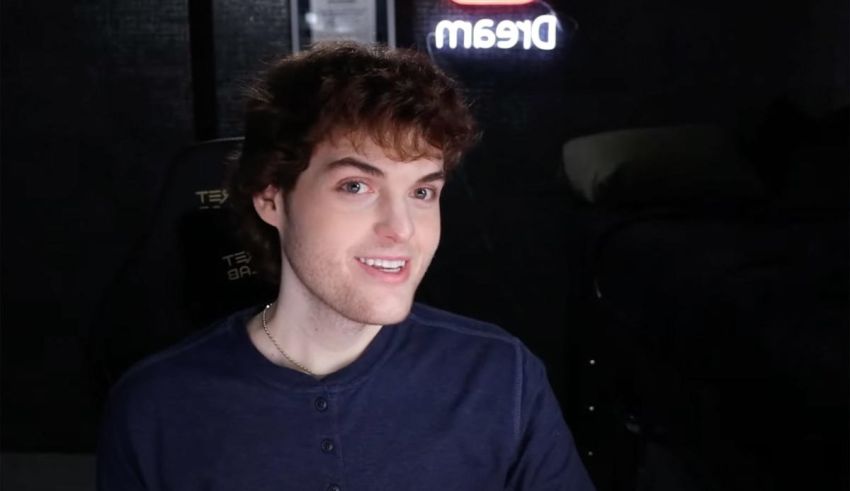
point(485, 33)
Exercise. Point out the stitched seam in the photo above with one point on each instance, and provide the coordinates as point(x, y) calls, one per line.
point(467, 331)
point(518, 381)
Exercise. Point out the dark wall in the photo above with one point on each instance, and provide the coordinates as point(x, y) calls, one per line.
point(247, 35)
point(98, 96)
point(619, 65)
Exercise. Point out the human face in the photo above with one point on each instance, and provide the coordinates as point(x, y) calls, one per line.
point(361, 229)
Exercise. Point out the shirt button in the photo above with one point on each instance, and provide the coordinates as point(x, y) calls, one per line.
point(327, 446)
point(334, 487)
point(321, 404)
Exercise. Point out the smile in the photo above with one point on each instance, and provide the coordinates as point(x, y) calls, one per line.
point(384, 265)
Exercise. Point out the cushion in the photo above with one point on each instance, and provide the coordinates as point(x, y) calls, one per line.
point(693, 164)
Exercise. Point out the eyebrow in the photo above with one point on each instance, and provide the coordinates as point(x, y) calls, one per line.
point(374, 171)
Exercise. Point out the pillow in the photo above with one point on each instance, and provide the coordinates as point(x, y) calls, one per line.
point(660, 166)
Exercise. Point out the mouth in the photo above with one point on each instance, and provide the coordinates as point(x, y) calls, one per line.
point(390, 270)
point(385, 265)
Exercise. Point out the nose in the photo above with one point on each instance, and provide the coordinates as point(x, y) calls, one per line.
point(394, 222)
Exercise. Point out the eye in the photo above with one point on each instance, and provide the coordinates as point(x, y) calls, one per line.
point(425, 194)
point(354, 187)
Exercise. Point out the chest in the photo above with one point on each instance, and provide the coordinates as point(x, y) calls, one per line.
point(437, 437)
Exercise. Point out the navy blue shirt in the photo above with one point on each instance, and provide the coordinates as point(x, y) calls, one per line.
point(437, 402)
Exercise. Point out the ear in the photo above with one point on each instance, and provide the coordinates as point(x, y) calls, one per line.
point(269, 206)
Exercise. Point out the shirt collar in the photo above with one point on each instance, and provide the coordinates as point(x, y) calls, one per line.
point(255, 363)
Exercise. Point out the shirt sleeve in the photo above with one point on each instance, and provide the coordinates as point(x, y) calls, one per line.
point(546, 457)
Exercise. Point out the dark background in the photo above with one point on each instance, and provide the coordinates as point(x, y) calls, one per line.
point(97, 97)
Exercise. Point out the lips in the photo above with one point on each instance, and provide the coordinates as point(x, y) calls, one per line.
point(386, 265)
point(385, 269)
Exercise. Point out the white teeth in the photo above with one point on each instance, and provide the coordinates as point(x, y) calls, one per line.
point(383, 263)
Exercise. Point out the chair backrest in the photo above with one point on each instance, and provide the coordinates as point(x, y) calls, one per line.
point(188, 270)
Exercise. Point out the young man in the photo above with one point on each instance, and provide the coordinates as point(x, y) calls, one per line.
point(342, 383)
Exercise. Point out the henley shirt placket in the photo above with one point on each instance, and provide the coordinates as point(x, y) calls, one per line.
point(327, 439)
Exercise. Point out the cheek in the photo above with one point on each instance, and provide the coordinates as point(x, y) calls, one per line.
point(331, 232)
point(336, 234)
point(428, 230)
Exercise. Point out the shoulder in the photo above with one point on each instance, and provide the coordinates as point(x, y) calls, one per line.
point(461, 326)
point(172, 369)
point(457, 338)
point(469, 334)
point(493, 361)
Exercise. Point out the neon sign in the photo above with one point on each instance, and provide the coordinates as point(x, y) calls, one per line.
point(486, 33)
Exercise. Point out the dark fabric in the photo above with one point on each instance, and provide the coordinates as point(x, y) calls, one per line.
point(728, 335)
point(436, 402)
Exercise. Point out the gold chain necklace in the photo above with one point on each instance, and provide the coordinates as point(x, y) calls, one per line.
point(271, 338)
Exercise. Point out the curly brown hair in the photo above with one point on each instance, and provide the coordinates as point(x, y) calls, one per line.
point(398, 98)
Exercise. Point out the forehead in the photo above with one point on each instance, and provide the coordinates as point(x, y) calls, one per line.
point(366, 148)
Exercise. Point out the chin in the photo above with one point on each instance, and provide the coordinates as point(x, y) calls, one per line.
point(387, 313)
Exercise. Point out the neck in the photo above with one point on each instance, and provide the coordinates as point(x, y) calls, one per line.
point(310, 333)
